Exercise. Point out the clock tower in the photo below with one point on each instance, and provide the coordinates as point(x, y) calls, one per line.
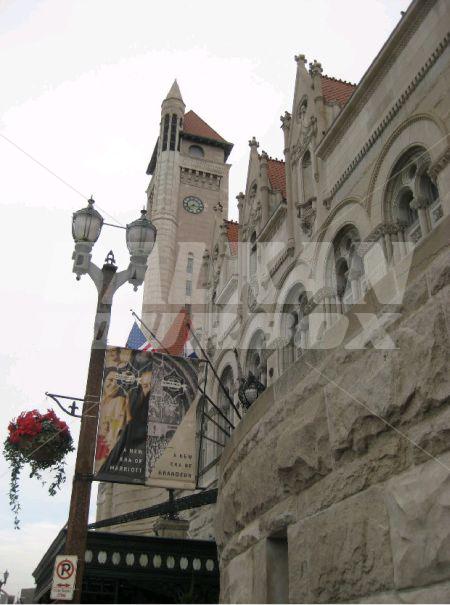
point(189, 182)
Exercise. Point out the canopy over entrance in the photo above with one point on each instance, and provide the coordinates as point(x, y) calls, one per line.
point(123, 568)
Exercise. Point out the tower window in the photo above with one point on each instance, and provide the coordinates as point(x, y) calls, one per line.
point(190, 263)
point(165, 132)
point(188, 287)
point(196, 151)
point(173, 132)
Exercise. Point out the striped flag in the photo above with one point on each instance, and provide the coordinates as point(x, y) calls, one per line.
point(138, 341)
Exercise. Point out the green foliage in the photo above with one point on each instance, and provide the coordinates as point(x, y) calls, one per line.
point(43, 444)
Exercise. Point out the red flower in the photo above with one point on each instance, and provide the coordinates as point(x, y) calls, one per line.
point(32, 423)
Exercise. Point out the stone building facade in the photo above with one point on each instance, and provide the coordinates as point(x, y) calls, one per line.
point(333, 290)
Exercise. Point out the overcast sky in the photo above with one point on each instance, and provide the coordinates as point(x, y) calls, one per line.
point(82, 84)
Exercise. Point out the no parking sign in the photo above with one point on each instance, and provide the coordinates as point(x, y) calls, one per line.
point(64, 574)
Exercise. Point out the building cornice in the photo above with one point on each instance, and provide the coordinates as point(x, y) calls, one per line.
point(189, 163)
point(387, 119)
point(378, 69)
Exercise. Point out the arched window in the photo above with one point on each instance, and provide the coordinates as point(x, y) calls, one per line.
point(165, 132)
point(411, 196)
point(256, 360)
point(196, 151)
point(173, 132)
point(345, 268)
point(190, 263)
point(294, 326)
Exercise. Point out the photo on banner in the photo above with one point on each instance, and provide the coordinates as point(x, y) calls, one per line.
point(147, 420)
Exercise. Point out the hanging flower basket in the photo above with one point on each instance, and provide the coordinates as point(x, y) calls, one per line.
point(42, 441)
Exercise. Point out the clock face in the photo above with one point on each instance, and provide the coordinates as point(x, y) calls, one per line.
point(193, 204)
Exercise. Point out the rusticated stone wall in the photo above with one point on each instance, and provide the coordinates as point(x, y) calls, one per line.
point(347, 458)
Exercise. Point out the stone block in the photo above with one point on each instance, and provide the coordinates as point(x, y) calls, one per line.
point(389, 455)
point(415, 296)
point(259, 590)
point(431, 437)
point(303, 452)
point(422, 372)
point(379, 388)
point(278, 518)
point(236, 584)
point(436, 593)
point(418, 502)
point(259, 488)
point(438, 275)
point(341, 553)
point(358, 400)
point(242, 541)
point(226, 512)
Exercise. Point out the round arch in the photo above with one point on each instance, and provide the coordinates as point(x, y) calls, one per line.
point(349, 214)
point(421, 130)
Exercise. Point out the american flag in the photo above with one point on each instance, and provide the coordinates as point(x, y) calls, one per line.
point(138, 340)
point(189, 350)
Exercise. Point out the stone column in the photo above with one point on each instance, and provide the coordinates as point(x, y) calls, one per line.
point(264, 188)
point(401, 239)
point(304, 328)
point(421, 204)
point(355, 273)
point(291, 196)
point(315, 71)
point(387, 244)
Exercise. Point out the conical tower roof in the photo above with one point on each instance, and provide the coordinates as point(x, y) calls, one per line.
point(174, 92)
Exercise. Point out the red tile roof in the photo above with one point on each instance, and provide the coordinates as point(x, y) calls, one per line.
point(335, 90)
point(233, 236)
point(193, 124)
point(177, 335)
point(277, 175)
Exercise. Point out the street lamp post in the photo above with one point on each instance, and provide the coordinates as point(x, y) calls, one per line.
point(140, 238)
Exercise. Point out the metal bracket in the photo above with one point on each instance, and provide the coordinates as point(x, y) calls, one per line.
point(73, 408)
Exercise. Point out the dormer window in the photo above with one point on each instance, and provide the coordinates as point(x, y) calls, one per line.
point(196, 151)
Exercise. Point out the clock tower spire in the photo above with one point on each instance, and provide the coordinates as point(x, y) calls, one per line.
point(189, 177)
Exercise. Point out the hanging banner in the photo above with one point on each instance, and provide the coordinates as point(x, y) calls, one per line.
point(147, 420)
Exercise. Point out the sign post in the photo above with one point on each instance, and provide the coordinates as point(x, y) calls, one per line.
point(64, 574)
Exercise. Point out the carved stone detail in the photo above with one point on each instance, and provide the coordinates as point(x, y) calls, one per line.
point(315, 68)
point(198, 178)
point(308, 130)
point(286, 120)
point(439, 165)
